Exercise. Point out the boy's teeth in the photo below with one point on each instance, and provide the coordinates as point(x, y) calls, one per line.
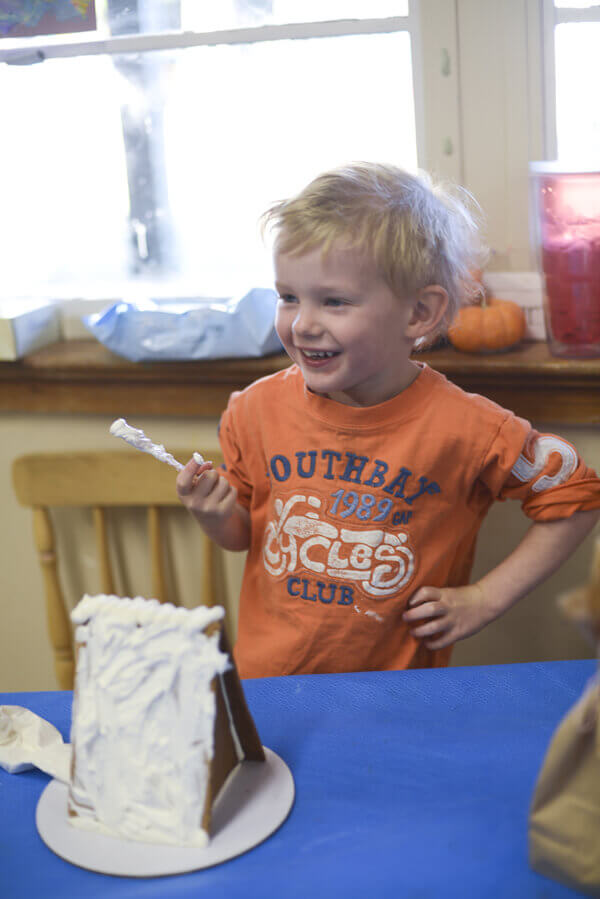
point(317, 355)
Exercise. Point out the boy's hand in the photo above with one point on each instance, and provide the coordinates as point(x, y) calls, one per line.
point(204, 493)
point(443, 616)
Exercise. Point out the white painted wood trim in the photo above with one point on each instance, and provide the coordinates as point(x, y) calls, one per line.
point(441, 150)
point(549, 84)
point(416, 52)
point(143, 43)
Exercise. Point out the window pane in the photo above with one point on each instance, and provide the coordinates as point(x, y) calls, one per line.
point(575, 4)
point(216, 14)
point(64, 189)
point(578, 90)
point(157, 166)
point(283, 113)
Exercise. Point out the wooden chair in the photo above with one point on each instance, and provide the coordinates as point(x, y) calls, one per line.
point(101, 480)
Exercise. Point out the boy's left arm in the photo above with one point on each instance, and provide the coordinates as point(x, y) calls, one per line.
point(444, 615)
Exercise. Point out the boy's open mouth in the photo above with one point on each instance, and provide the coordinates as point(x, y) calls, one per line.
point(318, 357)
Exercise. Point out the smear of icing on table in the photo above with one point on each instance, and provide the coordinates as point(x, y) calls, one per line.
point(136, 438)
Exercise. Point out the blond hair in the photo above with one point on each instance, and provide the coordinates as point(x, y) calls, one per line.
point(416, 232)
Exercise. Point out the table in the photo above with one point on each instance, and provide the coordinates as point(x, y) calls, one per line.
point(408, 784)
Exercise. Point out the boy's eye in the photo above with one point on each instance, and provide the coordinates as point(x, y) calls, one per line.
point(286, 298)
point(334, 301)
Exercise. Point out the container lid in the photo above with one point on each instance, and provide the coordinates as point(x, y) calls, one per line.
point(556, 167)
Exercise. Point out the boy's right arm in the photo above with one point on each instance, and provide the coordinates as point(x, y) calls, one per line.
point(212, 501)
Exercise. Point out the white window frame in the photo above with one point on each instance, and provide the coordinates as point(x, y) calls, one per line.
point(140, 43)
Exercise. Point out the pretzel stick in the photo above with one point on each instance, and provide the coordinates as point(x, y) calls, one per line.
point(136, 438)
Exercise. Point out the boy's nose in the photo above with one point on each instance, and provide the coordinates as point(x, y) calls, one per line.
point(306, 322)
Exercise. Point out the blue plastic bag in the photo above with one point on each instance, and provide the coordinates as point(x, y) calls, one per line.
point(147, 330)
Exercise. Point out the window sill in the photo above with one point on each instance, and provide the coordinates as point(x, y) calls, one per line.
point(82, 376)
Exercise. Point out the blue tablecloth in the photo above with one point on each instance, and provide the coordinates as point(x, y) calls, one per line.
point(408, 784)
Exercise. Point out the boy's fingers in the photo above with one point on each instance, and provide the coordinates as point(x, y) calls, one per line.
point(228, 501)
point(185, 478)
point(220, 489)
point(196, 479)
point(192, 466)
point(229, 493)
point(213, 494)
point(184, 482)
point(223, 484)
point(444, 641)
point(206, 483)
point(201, 471)
point(197, 469)
point(426, 610)
point(424, 595)
point(428, 630)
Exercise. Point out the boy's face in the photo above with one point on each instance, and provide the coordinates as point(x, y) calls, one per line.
point(343, 326)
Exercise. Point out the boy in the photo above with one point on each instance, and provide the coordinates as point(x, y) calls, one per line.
point(358, 478)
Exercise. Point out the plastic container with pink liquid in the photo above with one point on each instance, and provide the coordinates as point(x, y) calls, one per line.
point(566, 228)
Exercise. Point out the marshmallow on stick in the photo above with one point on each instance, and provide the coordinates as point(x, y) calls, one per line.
point(136, 438)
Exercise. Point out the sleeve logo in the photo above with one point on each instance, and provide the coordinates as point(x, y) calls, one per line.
point(544, 447)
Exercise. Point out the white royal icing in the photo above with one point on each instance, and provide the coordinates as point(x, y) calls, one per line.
point(143, 718)
point(135, 437)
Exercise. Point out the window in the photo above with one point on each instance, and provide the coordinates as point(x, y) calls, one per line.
point(144, 153)
point(573, 79)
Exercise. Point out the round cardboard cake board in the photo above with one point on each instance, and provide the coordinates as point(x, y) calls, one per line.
point(253, 804)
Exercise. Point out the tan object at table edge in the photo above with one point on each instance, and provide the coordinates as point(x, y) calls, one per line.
point(564, 818)
point(582, 605)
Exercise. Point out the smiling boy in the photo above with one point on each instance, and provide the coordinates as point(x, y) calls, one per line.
point(358, 478)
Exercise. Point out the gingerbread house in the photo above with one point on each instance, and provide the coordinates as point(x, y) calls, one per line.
point(160, 720)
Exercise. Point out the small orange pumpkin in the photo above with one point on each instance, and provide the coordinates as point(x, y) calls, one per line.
point(491, 326)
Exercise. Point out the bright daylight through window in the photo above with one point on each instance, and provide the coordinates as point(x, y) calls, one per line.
point(577, 70)
point(153, 166)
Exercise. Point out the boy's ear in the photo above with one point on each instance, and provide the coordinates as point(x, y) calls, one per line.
point(428, 311)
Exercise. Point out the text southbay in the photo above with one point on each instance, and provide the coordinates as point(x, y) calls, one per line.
point(332, 465)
